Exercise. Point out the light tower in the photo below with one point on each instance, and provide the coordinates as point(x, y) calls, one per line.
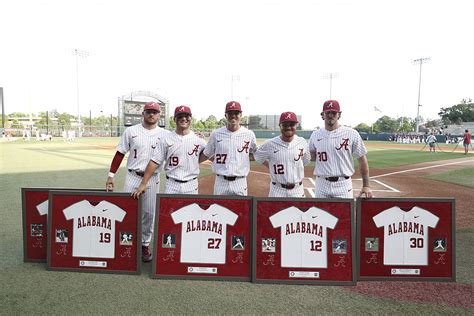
point(330, 76)
point(419, 61)
point(78, 53)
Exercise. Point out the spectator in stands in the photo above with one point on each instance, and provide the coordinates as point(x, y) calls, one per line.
point(466, 141)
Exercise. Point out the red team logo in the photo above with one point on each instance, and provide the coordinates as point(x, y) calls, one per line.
point(301, 154)
point(194, 151)
point(245, 147)
point(345, 143)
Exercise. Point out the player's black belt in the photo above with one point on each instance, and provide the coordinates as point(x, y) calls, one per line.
point(335, 179)
point(231, 178)
point(138, 173)
point(180, 181)
point(288, 186)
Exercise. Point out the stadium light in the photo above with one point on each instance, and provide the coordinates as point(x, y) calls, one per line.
point(78, 53)
point(419, 61)
point(232, 79)
point(330, 76)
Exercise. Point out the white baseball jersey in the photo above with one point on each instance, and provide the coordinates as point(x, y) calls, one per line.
point(181, 154)
point(335, 151)
point(405, 235)
point(42, 208)
point(285, 160)
point(141, 143)
point(203, 232)
point(303, 236)
point(231, 151)
point(94, 228)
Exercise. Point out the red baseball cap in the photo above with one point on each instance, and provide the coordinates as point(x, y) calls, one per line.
point(233, 106)
point(152, 106)
point(288, 117)
point(182, 109)
point(331, 105)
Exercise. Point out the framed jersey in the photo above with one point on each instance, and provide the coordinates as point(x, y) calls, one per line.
point(304, 241)
point(406, 239)
point(35, 222)
point(94, 232)
point(203, 237)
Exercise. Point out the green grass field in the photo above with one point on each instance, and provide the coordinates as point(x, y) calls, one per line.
point(28, 288)
point(462, 177)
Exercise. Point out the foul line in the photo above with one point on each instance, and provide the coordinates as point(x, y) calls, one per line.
point(416, 169)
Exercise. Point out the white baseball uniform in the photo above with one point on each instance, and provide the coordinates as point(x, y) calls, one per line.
point(42, 208)
point(335, 151)
point(140, 143)
point(181, 154)
point(231, 159)
point(303, 236)
point(286, 162)
point(203, 232)
point(405, 235)
point(94, 228)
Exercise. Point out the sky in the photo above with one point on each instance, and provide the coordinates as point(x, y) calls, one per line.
point(281, 52)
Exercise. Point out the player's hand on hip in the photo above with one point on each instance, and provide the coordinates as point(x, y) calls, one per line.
point(109, 185)
point(365, 192)
point(139, 191)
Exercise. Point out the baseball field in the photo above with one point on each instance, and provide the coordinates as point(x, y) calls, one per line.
point(397, 170)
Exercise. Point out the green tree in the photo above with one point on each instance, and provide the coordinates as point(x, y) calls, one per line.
point(406, 124)
point(456, 114)
point(386, 124)
point(362, 127)
point(210, 122)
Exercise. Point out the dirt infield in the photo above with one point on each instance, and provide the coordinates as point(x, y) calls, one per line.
point(403, 181)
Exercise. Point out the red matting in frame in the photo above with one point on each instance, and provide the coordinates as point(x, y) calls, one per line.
point(211, 238)
point(35, 222)
point(303, 260)
point(78, 242)
point(420, 234)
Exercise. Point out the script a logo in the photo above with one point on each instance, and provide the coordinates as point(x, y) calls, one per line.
point(330, 105)
point(299, 155)
point(194, 151)
point(244, 147)
point(232, 105)
point(345, 143)
point(181, 109)
point(288, 116)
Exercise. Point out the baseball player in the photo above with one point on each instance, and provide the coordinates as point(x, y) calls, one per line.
point(180, 150)
point(285, 156)
point(333, 148)
point(140, 141)
point(431, 140)
point(231, 147)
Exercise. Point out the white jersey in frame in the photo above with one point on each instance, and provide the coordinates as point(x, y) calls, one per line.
point(405, 235)
point(203, 232)
point(94, 228)
point(303, 236)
